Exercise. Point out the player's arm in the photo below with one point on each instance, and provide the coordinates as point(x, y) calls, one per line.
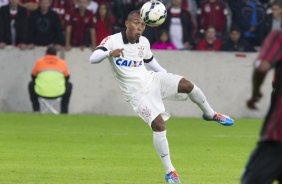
point(154, 65)
point(269, 55)
point(258, 77)
point(100, 53)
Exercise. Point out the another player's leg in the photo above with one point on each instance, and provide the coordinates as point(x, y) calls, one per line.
point(197, 96)
point(162, 147)
point(264, 165)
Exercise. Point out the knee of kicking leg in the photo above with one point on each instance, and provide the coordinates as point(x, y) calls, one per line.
point(185, 86)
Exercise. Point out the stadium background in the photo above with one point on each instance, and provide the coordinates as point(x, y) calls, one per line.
point(224, 77)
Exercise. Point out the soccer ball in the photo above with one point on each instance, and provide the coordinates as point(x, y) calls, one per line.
point(153, 13)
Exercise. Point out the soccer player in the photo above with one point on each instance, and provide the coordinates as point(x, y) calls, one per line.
point(144, 90)
point(265, 163)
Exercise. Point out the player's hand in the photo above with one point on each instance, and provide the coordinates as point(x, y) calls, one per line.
point(251, 103)
point(117, 53)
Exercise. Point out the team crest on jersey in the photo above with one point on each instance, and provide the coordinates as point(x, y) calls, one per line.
point(146, 112)
point(140, 51)
point(128, 63)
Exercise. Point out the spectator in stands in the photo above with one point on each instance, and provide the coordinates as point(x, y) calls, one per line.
point(274, 19)
point(250, 17)
point(234, 5)
point(163, 42)
point(50, 79)
point(80, 30)
point(104, 24)
point(179, 25)
point(236, 43)
point(61, 7)
point(30, 5)
point(191, 6)
point(45, 27)
point(213, 13)
point(13, 25)
point(210, 42)
point(120, 12)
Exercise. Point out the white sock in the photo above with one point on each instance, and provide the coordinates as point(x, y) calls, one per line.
point(161, 145)
point(198, 97)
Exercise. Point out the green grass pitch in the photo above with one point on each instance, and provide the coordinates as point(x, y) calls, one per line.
point(86, 149)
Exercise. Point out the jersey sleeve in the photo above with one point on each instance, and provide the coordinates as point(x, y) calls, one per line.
point(148, 55)
point(106, 44)
point(271, 50)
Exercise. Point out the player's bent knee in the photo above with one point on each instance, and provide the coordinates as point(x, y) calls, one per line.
point(185, 86)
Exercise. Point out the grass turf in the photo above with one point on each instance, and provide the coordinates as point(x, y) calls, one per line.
point(85, 149)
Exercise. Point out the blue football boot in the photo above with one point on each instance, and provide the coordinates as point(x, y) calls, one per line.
point(221, 119)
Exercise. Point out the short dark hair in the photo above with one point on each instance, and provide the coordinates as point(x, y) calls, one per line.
point(51, 50)
point(132, 13)
point(235, 28)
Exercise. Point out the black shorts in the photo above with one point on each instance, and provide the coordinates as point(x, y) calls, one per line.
point(264, 165)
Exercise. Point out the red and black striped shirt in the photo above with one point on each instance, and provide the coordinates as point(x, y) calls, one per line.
point(271, 52)
point(80, 25)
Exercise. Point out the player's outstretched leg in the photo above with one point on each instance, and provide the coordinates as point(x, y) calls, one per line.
point(197, 96)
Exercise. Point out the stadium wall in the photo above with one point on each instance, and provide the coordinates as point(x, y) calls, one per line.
point(225, 78)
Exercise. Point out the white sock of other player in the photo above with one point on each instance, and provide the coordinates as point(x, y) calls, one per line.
point(161, 145)
point(198, 97)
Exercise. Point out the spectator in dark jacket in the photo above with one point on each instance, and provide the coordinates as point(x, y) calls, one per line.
point(13, 25)
point(45, 27)
point(250, 17)
point(236, 43)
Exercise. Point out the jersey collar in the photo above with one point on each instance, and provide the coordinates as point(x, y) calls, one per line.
point(125, 40)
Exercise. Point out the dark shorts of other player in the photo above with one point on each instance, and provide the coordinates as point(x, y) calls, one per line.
point(264, 165)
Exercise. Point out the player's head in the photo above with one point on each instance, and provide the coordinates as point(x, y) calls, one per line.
point(135, 26)
point(44, 5)
point(235, 33)
point(51, 50)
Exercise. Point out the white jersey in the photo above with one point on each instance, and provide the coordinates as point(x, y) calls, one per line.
point(133, 77)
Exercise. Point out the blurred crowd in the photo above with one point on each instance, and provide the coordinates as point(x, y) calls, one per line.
point(228, 25)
